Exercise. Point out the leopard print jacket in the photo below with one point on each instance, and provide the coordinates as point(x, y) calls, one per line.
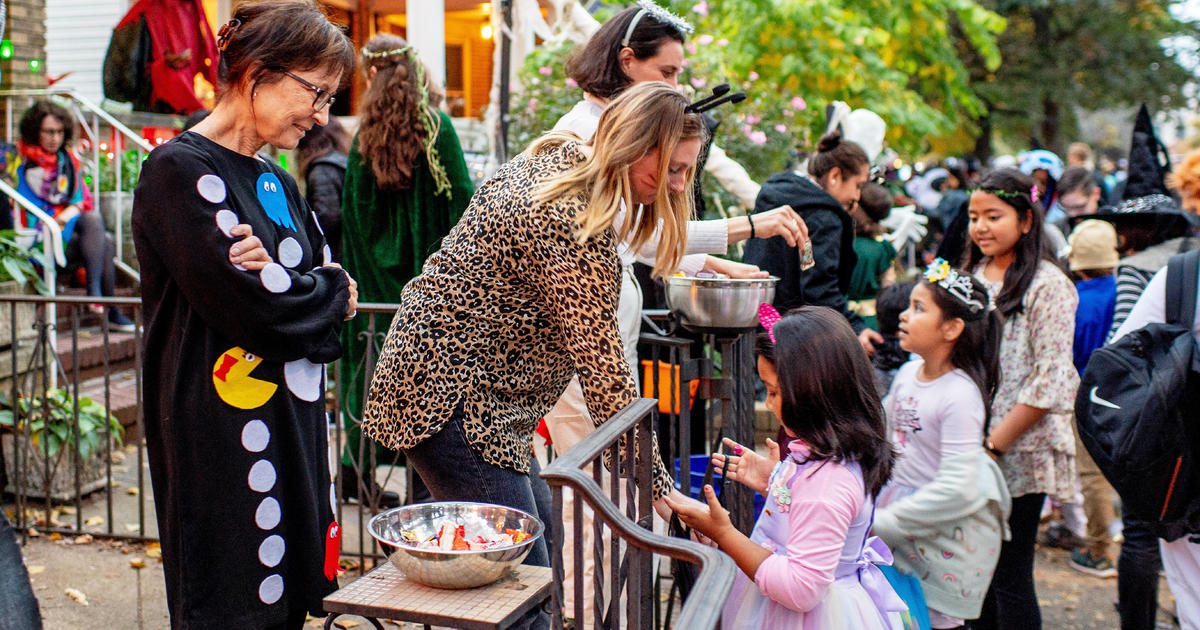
point(500, 319)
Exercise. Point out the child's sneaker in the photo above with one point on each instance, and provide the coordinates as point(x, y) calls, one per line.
point(119, 323)
point(1082, 560)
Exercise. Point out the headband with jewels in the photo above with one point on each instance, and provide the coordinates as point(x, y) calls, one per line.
point(658, 13)
point(955, 283)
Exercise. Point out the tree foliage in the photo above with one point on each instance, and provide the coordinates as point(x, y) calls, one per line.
point(1062, 54)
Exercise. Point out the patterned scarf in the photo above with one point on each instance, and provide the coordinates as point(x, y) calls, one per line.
point(58, 173)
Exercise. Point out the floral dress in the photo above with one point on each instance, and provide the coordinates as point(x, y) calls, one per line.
point(1036, 369)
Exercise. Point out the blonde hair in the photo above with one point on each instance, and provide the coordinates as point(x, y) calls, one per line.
point(647, 117)
point(1186, 179)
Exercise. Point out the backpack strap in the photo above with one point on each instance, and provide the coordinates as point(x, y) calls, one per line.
point(1183, 274)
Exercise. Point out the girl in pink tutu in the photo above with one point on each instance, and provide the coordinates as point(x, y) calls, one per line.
point(809, 563)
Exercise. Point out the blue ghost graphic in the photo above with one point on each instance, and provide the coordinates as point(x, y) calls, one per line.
point(273, 201)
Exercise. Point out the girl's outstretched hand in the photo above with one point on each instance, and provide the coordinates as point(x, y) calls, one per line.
point(709, 519)
point(747, 467)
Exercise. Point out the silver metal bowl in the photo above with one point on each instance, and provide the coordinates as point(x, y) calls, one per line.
point(715, 304)
point(453, 569)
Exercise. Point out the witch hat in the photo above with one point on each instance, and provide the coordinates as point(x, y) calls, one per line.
point(1149, 162)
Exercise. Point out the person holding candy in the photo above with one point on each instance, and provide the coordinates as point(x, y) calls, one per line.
point(809, 563)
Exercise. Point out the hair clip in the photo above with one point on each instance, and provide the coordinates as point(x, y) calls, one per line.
point(768, 317)
point(227, 31)
point(1033, 193)
point(719, 97)
point(384, 53)
point(955, 283)
point(658, 13)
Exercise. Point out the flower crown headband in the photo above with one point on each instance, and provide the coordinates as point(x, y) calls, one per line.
point(1033, 193)
point(430, 120)
point(658, 13)
point(955, 283)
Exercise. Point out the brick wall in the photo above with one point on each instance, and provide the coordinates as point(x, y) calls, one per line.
point(26, 27)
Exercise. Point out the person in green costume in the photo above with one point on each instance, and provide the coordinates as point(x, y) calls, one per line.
point(874, 269)
point(406, 185)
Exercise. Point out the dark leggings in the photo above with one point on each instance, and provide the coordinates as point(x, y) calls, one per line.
point(92, 246)
point(1011, 601)
point(1137, 577)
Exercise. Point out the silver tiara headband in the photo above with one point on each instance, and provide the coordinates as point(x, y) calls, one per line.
point(957, 284)
point(658, 13)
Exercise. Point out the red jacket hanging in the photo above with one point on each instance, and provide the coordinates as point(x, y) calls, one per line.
point(183, 45)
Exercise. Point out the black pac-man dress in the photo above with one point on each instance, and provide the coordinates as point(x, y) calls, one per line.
point(234, 387)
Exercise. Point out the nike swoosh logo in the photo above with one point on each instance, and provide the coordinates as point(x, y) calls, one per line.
point(1100, 401)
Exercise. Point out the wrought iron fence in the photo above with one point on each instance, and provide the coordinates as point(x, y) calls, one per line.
point(624, 571)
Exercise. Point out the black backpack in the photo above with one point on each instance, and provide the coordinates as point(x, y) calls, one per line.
point(1138, 412)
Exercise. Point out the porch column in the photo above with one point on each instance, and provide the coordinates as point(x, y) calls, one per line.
point(427, 32)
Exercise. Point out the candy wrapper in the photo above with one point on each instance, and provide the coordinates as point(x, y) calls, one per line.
point(454, 537)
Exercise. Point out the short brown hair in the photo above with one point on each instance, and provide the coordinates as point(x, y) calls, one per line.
point(276, 36)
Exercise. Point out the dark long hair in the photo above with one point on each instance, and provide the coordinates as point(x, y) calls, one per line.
point(596, 65)
point(835, 151)
point(828, 392)
point(977, 349)
point(1013, 187)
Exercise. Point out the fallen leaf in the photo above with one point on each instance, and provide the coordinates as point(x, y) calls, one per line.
point(35, 569)
point(115, 484)
point(131, 527)
point(137, 563)
point(134, 491)
point(83, 539)
point(95, 520)
point(77, 595)
point(66, 509)
point(33, 533)
point(348, 564)
point(55, 536)
point(154, 551)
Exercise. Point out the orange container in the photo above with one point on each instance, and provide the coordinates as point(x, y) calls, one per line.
point(666, 402)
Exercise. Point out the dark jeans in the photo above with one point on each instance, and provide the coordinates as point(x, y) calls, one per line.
point(1011, 600)
point(454, 471)
point(18, 607)
point(1137, 577)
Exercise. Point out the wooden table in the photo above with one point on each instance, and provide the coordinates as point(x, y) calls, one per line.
point(385, 593)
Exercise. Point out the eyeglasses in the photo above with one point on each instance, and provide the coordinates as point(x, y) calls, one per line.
point(322, 99)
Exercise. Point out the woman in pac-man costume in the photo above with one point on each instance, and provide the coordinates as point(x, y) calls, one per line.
point(238, 332)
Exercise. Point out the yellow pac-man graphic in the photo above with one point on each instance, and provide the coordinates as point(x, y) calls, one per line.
point(232, 380)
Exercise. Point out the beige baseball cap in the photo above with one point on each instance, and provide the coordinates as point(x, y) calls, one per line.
point(1093, 245)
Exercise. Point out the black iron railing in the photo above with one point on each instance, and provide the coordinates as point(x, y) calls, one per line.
point(623, 570)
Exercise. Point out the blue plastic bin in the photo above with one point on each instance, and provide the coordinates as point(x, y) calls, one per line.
point(699, 464)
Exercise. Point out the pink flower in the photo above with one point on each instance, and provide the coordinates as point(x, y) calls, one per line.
point(753, 76)
point(798, 104)
point(691, 48)
point(787, 112)
point(571, 82)
point(545, 71)
point(698, 83)
point(746, 129)
point(533, 103)
point(705, 39)
point(701, 7)
point(758, 137)
point(781, 128)
point(752, 119)
point(722, 42)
